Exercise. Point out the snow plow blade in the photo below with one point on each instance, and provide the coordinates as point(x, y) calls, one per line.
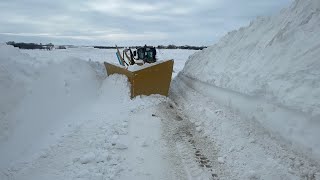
point(154, 79)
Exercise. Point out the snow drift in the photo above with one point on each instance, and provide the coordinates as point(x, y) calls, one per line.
point(275, 60)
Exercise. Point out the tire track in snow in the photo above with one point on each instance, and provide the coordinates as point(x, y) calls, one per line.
point(197, 155)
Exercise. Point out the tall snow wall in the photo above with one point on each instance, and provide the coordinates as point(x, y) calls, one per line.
point(277, 60)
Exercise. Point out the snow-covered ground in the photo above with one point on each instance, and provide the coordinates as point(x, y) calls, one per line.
point(62, 118)
point(244, 108)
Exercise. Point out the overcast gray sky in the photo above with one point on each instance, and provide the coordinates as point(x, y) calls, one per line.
point(125, 22)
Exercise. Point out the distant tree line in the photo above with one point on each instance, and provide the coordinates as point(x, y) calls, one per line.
point(159, 47)
point(22, 45)
point(171, 46)
point(107, 47)
point(50, 46)
point(61, 47)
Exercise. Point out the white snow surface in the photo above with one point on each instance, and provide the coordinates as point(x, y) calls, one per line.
point(17, 71)
point(62, 118)
point(270, 71)
point(245, 108)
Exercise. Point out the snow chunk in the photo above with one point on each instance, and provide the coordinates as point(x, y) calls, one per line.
point(102, 157)
point(199, 129)
point(121, 146)
point(252, 175)
point(87, 158)
point(221, 160)
point(144, 143)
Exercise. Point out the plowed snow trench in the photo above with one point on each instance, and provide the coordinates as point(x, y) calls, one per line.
point(156, 138)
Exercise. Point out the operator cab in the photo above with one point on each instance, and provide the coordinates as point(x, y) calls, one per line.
point(146, 53)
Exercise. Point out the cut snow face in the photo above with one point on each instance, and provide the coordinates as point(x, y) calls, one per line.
point(269, 71)
point(17, 70)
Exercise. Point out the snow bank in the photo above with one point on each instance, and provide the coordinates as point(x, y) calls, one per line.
point(275, 59)
point(36, 102)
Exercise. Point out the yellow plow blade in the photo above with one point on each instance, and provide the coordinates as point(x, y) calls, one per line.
point(154, 79)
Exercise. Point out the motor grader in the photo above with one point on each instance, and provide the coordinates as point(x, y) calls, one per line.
point(144, 71)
